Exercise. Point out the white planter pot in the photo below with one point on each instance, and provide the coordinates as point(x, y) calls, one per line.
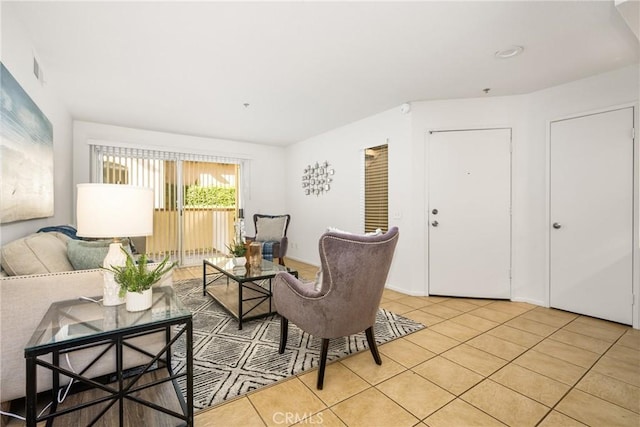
point(239, 261)
point(139, 301)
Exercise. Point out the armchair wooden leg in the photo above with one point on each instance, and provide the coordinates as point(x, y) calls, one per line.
point(372, 345)
point(323, 362)
point(281, 260)
point(284, 332)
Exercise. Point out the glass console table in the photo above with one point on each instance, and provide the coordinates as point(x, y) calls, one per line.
point(73, 325)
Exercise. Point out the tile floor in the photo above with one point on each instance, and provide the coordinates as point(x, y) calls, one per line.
point(478, 363)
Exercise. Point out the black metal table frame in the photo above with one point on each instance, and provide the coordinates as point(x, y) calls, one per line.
point(248, 283)
point(118, 339)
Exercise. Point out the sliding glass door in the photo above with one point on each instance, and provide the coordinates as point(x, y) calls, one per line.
point(209, 206)
point(196, 198)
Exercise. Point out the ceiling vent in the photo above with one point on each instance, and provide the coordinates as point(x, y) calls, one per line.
point(37, 71)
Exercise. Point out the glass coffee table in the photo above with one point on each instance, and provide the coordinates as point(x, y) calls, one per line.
point(78, 324)
point(246, 294)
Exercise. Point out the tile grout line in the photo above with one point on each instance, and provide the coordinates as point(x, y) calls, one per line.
point(588, 371)
point(551, 409)
point(483, 376)
point(509, 362)
point(459, 396)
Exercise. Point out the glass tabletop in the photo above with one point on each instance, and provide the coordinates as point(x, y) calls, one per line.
point(266, 270)
point(74, 320)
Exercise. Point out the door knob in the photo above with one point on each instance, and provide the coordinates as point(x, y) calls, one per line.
point(435, 211)
point(557, 225)
point(434, 223)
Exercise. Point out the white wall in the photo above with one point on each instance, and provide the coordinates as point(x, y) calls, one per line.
point(341, 207)
point(265, 165)
point(274, 173)
point(528, 116)
point(17, 57)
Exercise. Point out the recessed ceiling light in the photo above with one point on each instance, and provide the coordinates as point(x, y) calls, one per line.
point(509, 52)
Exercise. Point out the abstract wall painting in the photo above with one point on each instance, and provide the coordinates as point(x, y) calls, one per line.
point(26, 150)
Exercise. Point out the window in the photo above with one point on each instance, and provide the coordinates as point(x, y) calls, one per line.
point(376, 188)
point(196, 198)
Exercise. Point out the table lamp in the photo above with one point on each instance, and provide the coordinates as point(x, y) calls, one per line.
point(113, 211)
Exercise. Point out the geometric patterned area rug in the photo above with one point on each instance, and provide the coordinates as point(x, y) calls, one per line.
point(229, 362)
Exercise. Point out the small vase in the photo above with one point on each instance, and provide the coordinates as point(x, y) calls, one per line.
point(247, 252)
point(255, 257)
point(239, 261)
point(139, 301)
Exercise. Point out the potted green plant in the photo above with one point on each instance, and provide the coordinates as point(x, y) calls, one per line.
point(136, 280)
point(238, 250)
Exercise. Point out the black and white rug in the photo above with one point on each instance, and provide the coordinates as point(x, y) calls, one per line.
point(229, 362)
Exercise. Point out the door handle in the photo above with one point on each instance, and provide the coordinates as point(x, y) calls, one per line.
point(557, 225)
point(434, 223)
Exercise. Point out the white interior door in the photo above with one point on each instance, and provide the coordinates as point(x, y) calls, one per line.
point(470, 213)
point(591, 213)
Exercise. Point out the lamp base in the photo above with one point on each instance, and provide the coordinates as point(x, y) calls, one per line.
point(111, 288)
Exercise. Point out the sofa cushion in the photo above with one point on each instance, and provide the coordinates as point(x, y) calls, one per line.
point(36, 253)
point(270, 229)
point(85, 255)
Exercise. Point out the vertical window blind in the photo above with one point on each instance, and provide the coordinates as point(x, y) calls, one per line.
point(196, 197)
point(376, 188)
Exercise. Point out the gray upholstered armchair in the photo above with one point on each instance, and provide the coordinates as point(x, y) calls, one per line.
point(354, 273)
point(272, 230)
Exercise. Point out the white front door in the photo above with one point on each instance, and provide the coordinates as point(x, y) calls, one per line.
point(470, 213)
point(591, 215)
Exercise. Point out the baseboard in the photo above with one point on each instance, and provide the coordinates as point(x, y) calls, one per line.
point(404, 291)
point(300, 260)
point(530, 301)
point(423, 294)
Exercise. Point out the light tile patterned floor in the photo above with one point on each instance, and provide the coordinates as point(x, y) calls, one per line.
point(479, 363)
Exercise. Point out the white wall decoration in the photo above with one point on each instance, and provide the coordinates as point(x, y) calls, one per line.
point(317, 178)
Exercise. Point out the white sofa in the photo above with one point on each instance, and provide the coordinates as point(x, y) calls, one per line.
point(23, 302)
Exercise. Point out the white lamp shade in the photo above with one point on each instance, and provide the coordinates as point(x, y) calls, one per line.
point(114, 210)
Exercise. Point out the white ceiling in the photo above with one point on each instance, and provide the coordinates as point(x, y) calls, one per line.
point(306, 67)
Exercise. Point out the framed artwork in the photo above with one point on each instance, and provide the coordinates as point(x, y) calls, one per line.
point(26, 150)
